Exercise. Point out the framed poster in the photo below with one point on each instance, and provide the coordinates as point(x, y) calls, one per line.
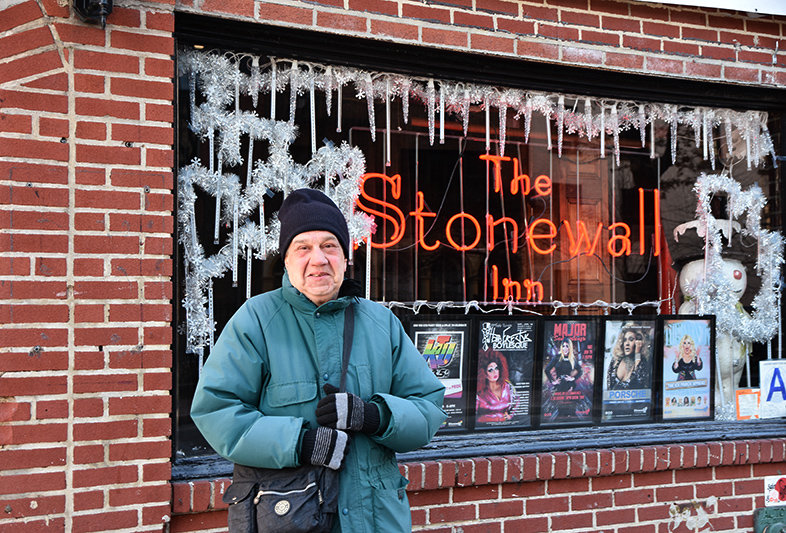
point(688, 348)
point(628, 364)
point(506, 355)
point(568, 373)
point(444, 345)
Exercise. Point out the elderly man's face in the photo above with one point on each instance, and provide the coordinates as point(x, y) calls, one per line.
point(315, 263)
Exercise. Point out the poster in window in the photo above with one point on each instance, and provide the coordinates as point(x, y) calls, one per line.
point(444, 345)
point(506, 354)
point(628, 364)
point(568, 372)
point(687, 368)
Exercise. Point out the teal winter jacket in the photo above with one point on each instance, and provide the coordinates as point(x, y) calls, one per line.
point(259, 388)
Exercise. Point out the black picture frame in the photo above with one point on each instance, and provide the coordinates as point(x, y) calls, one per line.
point(626, 369)
point(510, 344)
point(446, 342)
point(566, 396)
point(687, 390)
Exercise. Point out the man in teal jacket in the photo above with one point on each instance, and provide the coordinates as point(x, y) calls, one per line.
point(260, 401)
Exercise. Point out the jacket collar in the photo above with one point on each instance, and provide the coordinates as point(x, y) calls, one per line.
point(299, 301)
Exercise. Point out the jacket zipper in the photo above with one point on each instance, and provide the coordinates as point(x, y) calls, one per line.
point(286, 493)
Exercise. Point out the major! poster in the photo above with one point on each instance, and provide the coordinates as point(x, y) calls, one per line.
point(687, 367)
point(506, 355)
point(444, 345)
point(627, 370)
point(568, 372)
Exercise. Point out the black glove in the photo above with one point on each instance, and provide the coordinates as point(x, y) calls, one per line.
point(344, 410)
point(324, 447)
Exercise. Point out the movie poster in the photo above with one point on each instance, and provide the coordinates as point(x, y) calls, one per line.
point(568, 372)
point(628, 364)
point(444, 345)
point(687, 367)
point(506, 354)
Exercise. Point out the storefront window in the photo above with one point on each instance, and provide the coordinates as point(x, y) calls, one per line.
point(507, 215)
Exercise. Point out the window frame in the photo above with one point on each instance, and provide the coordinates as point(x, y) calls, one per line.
point(335, 49)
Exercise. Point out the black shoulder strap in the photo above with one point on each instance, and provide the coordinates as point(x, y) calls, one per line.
point(349, 330)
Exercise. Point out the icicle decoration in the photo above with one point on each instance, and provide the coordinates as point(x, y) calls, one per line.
point(488, 125)
point(234, 242)
point(431, 95)
point(329, 89)
point(503, 117)
point(616, 134)
point(340, 99)
point(210, 314)
point(588, 126)
point(747, 134)
point(405, 100)
point(709, 141)
point(560, 123)
point(704, 126)
point(248, 272)
point(695, 122)
point(442, 113)
point(273, 88)
point(548, 131)
point(729, 140)
point(527, 119)
point(312, 108)
point(673, 132)
point(652, 138)
point(465, 111)
point(293, 88)
point(642, 126)
point(192, 94)
point(370, 104)
point(602, 133)
point(387, 121)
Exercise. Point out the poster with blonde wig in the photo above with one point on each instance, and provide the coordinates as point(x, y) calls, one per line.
point(688, 365)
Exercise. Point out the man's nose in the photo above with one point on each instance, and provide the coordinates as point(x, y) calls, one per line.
point(318, 256)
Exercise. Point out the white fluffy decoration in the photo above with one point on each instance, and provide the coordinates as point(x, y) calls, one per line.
point(715, 293)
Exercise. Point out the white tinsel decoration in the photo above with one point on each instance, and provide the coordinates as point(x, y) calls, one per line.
point(714, 293)
point(339, 168)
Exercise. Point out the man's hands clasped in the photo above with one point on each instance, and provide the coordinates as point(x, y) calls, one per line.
point(346, 411)
point(337, 413)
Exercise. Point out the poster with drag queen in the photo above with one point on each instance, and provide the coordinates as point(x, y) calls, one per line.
point(628, 364)
point(505, 364)
point(688, 344)
point(568, 372)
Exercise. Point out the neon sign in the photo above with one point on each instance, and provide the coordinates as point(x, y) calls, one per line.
point(540, 234)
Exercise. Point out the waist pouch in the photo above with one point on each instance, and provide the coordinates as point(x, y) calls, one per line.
point(286, 500)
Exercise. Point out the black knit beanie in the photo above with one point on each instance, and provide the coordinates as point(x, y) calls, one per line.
point(309, 210)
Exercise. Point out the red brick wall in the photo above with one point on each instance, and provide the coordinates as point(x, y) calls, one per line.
point(86, 182)
point(624, 490)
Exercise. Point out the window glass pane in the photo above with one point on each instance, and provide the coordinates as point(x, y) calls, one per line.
point(548, 221)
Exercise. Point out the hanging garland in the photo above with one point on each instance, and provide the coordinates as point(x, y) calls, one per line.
point(218, 120)
point(714, 293)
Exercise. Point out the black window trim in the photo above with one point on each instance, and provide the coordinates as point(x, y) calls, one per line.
point(211, 32)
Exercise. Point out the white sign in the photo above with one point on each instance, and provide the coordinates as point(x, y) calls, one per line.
point(774, 490)
point(772, 377)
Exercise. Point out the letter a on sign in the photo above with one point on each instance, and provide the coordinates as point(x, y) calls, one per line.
point(773, 388)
